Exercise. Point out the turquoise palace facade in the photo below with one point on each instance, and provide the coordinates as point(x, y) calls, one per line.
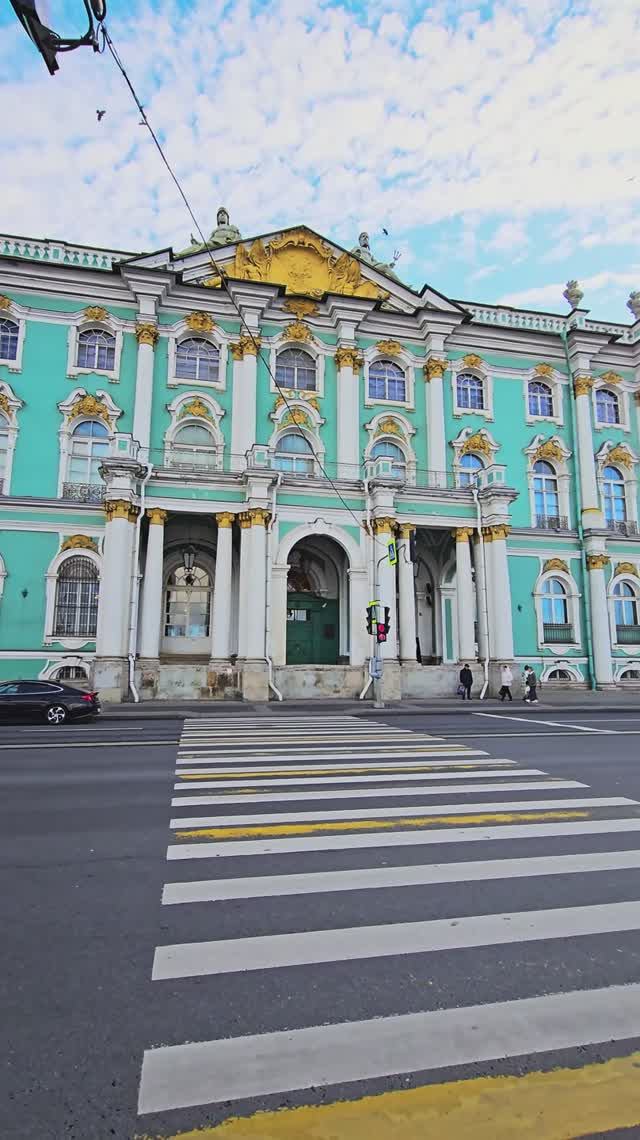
point(199, 481)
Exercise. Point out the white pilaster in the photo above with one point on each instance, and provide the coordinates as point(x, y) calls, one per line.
point(279, 575)
point(499, 590)
point(348, 363)
point(384, 529)
point(116, 578)
point(146, 335)
point(591, 512)
point(256, 601)
point(244, 585)
point(243, 409)
point(434, 371)
point(600, 632)
point(221, 608)
point(464, 595)
point(359, 639)
point(406, 597)
point(482, 602)
point(151, 610)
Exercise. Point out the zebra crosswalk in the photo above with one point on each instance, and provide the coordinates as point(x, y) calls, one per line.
point(362, 882)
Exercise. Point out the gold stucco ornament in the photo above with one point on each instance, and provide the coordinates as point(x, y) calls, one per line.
point(389, 426)
point(389, 347)
point(4, 405)
point(549, 449)
point(477, 443)
point(435, 368)
point(348, 357)
point(297, 330)
point(597, 561)
point(79, 542)
point(289, 394)
point(195, 407)
point(89, 405)
point(121, 509)
point(472, 360)
point(199, 321)
point(620, 455)
point(146, 334)
point(555, 564)
point(5, 302)
point(384, 525)
point(301, 307)
point(543, 370)
point(626, 568)
point(96, 313)
point(296, 416)
point(156, 516)
point(582, 384)
point(611, 378)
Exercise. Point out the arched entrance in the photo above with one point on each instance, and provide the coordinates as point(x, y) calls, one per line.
point(187, 596)
point(317, 603)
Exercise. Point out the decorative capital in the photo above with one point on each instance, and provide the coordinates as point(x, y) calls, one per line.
point(597, 561)
point(620, 455)
point(121, 509)
point(611, 378)
point(384, 525)
point(626, 568)
point(499, 533)
point(79, 542)
point(244, 518)
point(250, 344)
point(347, 357)
point(199, 321)
point(96, 313)
point(463, 533)
point(237, 350)
point(545, 370)
point(389, 347)
point(146, 333)
point(406, 530)
point(225, 520)
point(258, 516)
point(555, 564)
point(5, 302)
point(582, 384)
point(435, 368)
point(472, 360)
point(301, 307)
point(156, 516)
point(297, 330)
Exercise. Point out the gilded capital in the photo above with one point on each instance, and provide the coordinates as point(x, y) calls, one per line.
point(225, 520)
point(406, 530)
point(237, 350)
point(259, 517)
point(199, 321)
point(156, 516)
point(384, 525)
point(582, 384)
point(244, 518)
point(597, 561)
point(347, 357)
point(121, 509)
point(146, 333)
point(463, 533)
point(435, 368)
point(500, 532)
point(250, 344)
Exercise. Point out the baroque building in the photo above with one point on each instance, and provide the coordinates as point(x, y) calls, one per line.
point(199, 481)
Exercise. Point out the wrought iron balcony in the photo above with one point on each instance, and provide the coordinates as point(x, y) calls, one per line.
point(628, 634)
point(558, 634)
point(84, 492)
point(622, 526)
point(552, 522)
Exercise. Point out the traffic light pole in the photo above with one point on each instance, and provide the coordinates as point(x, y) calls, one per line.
point(378, 702)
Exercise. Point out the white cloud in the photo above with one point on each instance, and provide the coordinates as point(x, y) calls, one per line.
point(550, 296)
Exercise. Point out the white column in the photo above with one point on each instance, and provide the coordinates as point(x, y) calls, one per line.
point(591, 512)
point(115, 579)
point(482, 602)
point(499, 590)
point(359, 639)
point(151, 611)
point(384, 529)
point(406, 597)
point(600, 632)
point(221, 608)
point(434, 371)
point(146, 335)
point(257, 584)
point(243, 407)
point(243, 587)
point(348, 363)
point(464, 595)
point(279, 574)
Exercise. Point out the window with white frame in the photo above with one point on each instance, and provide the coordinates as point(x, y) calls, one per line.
point(384, 449)
point(197, 359)
point(9, 335)
point(607, 407)
point(559, 675)
point(96, 350)
point(469, 467)
point(540, 399)
point(193, 446)
point(89, 444)
point(387, 381)
point(469, 392)
point(70, 673)
point(293, 454)
point(4, 450)
point(613, 493)
point(545, 491)
point(296, 369)
point(626, 608)
point(630, 675)
point(556, 622)
point(76, 602)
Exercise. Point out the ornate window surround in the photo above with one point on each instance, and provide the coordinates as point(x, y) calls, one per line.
point(614, 383)
point(201, 409)
point(552, 450)
point(308, 422)
point(625, 459)
point(391, 350)
point(52, 668)
point(616, 579)
point(545, 374)
point(561, 663)
point(573, 605)
point(474, 441)
point(197, 326)
point(51, 582)
point(474, 365)
point(306, 342)
point(74, 414)
point(379, 430)
point(12, 311)
point(10, 405)
point(94, 317)
point(623, 666)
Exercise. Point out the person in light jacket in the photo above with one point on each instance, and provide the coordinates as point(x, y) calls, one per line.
point(466, 680)
point(506, 681)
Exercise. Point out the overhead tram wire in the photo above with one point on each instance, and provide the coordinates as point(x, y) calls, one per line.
point(223, 277)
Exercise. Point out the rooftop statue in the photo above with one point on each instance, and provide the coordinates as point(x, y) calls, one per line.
point(224, 234)
point(363, 252)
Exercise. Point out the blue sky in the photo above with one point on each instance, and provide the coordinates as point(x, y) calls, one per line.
point(498, 143)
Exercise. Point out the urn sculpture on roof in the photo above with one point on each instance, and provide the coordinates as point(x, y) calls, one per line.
point(573, 294)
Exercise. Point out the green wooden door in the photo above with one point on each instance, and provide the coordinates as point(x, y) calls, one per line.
point(312, 630)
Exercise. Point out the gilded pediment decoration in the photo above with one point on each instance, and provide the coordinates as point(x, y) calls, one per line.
point(477, 443)
point(472, 360)
point(549, 450)
point(199, 322)
point(620, 454)
point(96, 313)
point(301, 307)
point(555, 564)
point(5, 405)
point(389, 347)
point(297, 330)
point(197, 408)
point(79, 542)
point(296, 416)
point(611, 377)
point(90, 406)
point(626, 568)
point(389, 426)
point(289, 394)
point(543, 370)
point(5, 302)
point(303, 263)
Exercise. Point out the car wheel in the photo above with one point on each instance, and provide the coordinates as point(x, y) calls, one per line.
point(56, 714)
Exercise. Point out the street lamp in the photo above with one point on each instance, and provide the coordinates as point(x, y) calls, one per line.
point(189, 561)
point(48, 42)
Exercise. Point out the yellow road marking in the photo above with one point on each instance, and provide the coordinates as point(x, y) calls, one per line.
point(339, 773)
point(560, 1105)
point(260, 831)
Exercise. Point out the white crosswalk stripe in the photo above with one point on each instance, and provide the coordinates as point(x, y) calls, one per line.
point(310, 835)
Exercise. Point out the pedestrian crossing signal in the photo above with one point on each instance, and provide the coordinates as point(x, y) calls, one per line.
point(392, 551)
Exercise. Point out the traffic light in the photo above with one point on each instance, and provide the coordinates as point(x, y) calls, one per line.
point(47, 41)
point(383, 627)
point(371, 617)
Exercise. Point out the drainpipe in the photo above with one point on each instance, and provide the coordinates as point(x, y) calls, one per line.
point(267, 607)
point(371, 572)
point(583, 557)
point(484, 611)
point(135, 591)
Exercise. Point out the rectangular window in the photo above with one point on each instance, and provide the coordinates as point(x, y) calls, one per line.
point(298, 615)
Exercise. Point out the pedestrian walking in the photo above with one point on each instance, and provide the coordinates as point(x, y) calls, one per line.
point(466, 680)
point(530, 686)
point(506, 681)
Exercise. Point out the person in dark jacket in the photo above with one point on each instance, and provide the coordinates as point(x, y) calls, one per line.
point(466, 680)
point(530, 686)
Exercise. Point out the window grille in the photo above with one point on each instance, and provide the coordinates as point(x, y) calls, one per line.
point(76, 608)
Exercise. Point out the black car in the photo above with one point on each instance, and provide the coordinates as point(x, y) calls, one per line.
point(51, 701)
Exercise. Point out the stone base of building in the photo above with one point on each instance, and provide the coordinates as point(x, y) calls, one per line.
point(187, 680)
point(308, 682)
point(255, 681)
point(110, 678)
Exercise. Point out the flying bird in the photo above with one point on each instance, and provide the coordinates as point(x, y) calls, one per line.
point(385, 231)
point(100, 115)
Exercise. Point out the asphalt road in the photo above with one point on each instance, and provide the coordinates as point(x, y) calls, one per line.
point(102, 982)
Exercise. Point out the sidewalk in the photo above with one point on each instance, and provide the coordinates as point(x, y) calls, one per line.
point(562, 703)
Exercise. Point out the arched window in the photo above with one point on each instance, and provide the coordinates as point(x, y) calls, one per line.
point(296, 369)
point(96, 349)
point(540, 398)
point(387, 381)
point(188, 603)
point(76, 607)
point(386, 450)
point(615, 503)
point(89, 445)
point(4, 450)
point(294, 454)
point(197, 359)
point(469, 467)
point(193, 446)
point(627, 610)
point(70, 673)
point(607, 407)
point(545, 492)
point(630, 675)
point(559, 675)
point(470, 392)
point(555, 611)
point(8, 339)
